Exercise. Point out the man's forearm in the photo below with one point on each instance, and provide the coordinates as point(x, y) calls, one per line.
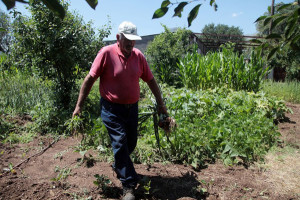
point(156, 91)
point(85, 90)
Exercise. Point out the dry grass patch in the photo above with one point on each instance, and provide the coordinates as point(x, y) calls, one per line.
point(283, 170)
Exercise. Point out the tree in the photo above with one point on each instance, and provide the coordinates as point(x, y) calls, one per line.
point(59, 10)
point(222, 32)
point(265, 29)
point(213, 36)
point(164, 52)
point(4, 33)
point(282, 43)
point(287, 18)
point(53, 48)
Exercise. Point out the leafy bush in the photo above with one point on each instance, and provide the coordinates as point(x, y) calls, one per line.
point(225, 67)
point(165, 50)
point(53, 48)
point(235, 126)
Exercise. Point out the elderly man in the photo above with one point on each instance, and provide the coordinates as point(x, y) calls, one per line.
point(120, 66)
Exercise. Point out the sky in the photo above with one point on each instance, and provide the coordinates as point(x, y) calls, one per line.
point(238, 13)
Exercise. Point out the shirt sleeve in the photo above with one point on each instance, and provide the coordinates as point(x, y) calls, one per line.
point(98, 64)
point(147, 74)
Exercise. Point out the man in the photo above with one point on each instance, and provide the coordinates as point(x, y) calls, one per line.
point(119, 67)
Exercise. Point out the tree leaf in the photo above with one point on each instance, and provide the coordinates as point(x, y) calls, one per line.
point(277, 21)
point(267, 20)
point(193, 14)
point(261, 18)
point(179, 9)
point(22, 1)
point(294, 43)
point(215, 7)
point(213, 3)
point(272, 52)
point(290, 27)
point(297, 12)
point(165, 3)
point(56, 7)
point(160, 12)
point(256, 41)
point(274, 36)
point(92, 3)
point(9, 3)
point(2, 29)
point(284, 6)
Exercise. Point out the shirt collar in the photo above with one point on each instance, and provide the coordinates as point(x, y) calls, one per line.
point(120, 52)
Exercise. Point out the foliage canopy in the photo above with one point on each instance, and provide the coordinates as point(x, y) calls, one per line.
point(53, 48)
point(59, 10)
point(282, 44)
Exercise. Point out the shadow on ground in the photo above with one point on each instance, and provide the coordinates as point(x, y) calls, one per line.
point(158, 187)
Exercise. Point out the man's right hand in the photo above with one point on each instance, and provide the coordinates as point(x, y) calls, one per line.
point(84, 92)
point(77, 111)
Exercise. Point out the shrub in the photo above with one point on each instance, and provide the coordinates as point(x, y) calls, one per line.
point(165, 50)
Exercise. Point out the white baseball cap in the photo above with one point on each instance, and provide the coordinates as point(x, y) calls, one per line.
point(129, 30)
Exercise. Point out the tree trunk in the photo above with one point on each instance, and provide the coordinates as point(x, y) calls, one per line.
point(272, 13)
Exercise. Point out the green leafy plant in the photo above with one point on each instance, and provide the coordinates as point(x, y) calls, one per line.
point(102, 182)
point(166, 4)
point(235, 126)
point(63, 173)
point(53, 49)
point(225, 67)
point(275, 41)
point(54, 5)
point(164, 52)
point(288, 91)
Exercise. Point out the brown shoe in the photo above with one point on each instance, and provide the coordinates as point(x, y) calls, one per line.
point(128, 193)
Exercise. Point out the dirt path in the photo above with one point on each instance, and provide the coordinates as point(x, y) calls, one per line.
point(60, 173)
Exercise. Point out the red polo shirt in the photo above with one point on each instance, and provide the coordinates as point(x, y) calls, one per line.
point(119, 76)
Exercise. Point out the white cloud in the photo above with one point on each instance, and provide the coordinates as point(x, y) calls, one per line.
point(236, 14)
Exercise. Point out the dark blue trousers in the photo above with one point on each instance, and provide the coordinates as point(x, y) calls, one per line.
point(121, 121)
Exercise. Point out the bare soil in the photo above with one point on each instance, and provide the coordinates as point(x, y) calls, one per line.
point(37, 173)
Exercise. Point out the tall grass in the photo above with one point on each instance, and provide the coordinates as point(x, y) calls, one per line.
point(288, 91)
point(20, 92)
point(226, 67)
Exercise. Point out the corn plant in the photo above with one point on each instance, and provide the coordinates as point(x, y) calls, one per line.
point(225, 67)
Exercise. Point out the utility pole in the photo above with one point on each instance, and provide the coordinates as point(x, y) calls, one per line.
point(272, 13)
